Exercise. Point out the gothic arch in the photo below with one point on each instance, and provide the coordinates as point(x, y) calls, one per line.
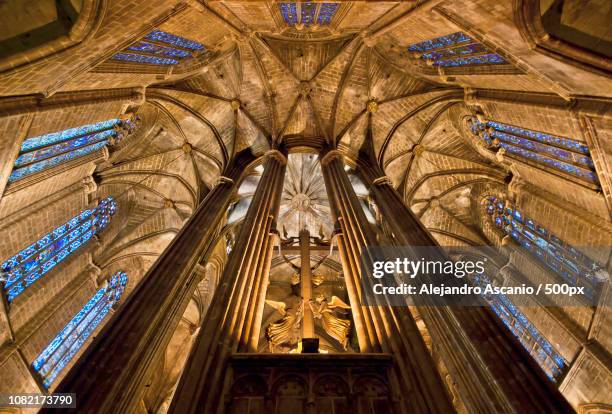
point(83, 30)
point(528, 18)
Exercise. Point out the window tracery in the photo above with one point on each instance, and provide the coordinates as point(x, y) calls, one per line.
point(60, 351)
point(569, 263)
point(559, 153)
point(454, 50)
point(308, 13)
point(49, 150)
point(535, 343)
point(36, 260)
point(160, 48)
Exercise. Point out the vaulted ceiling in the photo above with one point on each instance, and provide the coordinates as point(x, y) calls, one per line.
point(263, 81)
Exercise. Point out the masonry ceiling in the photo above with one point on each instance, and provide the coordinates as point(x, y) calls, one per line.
point(267, 83)
point(263, 82)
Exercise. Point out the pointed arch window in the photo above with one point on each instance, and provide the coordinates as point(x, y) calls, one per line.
point(454, 50)
point(569, 263)
point(33, 262)
point(550, 151)
point(60, 351)
point(308, 13)
point(46, 151)
point(535, 343)
point(160, 48)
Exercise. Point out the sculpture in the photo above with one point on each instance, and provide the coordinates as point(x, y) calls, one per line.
point(284, 334)
point(330, 315)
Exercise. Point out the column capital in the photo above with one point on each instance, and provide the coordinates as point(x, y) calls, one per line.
point(418, 149)
point(200, 271)
point(223, 180)
point(93, 271)
point(383, 180)
point(277, 154)
point(89, 185)
point(330, 156)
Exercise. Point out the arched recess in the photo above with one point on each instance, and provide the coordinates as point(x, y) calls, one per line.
point(373, 396)
point(247, 395)
point(289, 394)
point(331, 395)
point(67, 23)
point(543, 25)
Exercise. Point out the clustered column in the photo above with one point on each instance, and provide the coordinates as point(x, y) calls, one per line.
point(381, 328)
point(232, 322)
point(492, 370)
point(110, 376)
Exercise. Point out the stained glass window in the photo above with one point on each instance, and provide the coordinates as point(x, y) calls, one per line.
point(129, 57)
point(60, 351)
point(326, 13)
point(573, 266)
point(160, 48)
point(308, 13)
point(36, 260)
point(46, 151)
point(454, 50)
point(559, 153)
point(534, 342)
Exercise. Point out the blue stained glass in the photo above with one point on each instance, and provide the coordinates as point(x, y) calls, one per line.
point(489, 59)
point(161, 36)
point(52, 162)
point(455, 51)
point(440, 42)
point(36, 260)
point(158, 50)
point(326, 13)
point(572, 265)
point(309, 10)
point(48, 139)
point(556, 164)
point(289, 13)
point(46, 151)
point(56, 149)
point(562, 154)
point(66, 344)
point(537, 345)
point(541, 137)
point(129, 57)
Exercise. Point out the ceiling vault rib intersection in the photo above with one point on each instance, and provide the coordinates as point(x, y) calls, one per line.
point(407, 116)
point(200, 117)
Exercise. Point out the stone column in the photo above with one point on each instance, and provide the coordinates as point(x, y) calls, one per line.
point(200, 388)
point(387, 329)
point(492, 370)
point(109, 377)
